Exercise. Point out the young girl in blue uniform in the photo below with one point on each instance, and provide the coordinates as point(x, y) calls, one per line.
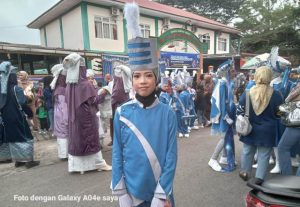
point(145, 149)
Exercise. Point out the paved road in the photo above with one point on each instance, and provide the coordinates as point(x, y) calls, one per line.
point(196, 185)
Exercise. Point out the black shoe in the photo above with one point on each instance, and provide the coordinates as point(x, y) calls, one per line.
point(31, 164)
point(258, 181)
point(244, 175)
point(19, 164)
point(110, 144)
point(6, 161)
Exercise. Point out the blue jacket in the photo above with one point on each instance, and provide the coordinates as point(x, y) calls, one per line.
point(48, 98)
point(186, 100)
point(264, 125)
point(250, 84)
point(165, 98)
point(144, 151)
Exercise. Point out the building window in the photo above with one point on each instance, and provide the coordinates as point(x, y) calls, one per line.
point(205, 39)
point(106, 28)
point(222, 44)
point(145, 30)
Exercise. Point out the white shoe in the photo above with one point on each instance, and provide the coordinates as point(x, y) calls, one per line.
point(214, 165)
point(105, 168)
point(195, 127)
point(254, 166)
point(208, 124)
point(295, 162)
point(276, 169)
point(186, 135)
point(271, 161)
point(223, 160)
point(180, 135)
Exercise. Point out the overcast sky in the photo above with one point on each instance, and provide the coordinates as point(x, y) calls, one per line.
point(16, 14)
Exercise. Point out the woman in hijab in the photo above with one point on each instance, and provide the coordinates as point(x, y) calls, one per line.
point(27, 86)
point(17, 142)
point(60, 124)
point(264, 102)
point(82, 100)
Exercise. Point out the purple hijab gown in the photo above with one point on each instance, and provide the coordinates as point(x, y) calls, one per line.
point(82, 101)
point(60, 108)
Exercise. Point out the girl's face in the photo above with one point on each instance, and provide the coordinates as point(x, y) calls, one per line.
point(143, 82)
point(22, 76)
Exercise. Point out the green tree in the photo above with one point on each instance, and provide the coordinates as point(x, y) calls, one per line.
point(220, 10)
point(266, 23)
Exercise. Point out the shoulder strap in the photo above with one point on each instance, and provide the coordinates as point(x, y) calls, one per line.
point(20, 108)
point(247, 103)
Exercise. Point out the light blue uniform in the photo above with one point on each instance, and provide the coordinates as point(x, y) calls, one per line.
point(185, 103)
point(144, 151)
point(165, 98)
point(220, 108)
point(192, 110)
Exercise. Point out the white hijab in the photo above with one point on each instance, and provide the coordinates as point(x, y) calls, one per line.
point(55, 70)
point(72, 63)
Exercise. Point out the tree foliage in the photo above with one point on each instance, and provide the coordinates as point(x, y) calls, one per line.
point(220, 10)
point(266, 23)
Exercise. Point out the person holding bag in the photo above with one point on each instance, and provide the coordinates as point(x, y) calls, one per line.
point(290, 137)
point(17, 144)
point(262, 116)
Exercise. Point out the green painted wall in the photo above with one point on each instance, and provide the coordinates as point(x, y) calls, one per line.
point(61, 32)
point(45, 36)
point(215, 42)
point(85, 26)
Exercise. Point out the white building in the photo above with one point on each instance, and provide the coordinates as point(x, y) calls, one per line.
point(99, 26)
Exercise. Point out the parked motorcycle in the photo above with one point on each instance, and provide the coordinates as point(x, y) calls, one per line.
point(279, 191)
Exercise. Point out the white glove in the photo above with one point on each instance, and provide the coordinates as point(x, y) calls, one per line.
point(125, 201)
point(156, 202)
point(228, 120)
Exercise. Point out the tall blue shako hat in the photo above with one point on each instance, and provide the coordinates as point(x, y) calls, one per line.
point(164, 81)
point(142, 52)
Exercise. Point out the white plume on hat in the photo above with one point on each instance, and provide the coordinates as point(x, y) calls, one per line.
point(132, 13)
point(273, 56)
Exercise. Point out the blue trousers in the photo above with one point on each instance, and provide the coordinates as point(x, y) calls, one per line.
point(51, 117)
point(192, 121)
point(290, 138)
point(181, 126)
point(263, 156)
point(201, 117)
